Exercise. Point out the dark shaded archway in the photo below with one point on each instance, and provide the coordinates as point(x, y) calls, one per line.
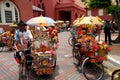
point(65, 15)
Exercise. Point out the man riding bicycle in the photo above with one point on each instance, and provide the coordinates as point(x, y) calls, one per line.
point(23, 37)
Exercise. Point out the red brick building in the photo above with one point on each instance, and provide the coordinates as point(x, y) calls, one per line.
point(67, 10)
point(14, 10)
point(98, 12)
point(61, 9)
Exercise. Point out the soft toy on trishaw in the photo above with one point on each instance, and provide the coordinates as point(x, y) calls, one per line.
point(38, 58)
point(88, 52)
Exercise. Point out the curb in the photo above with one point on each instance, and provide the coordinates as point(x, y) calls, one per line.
point(114, 61)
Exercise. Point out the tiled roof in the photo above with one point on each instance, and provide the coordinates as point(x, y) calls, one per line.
point(36, 8)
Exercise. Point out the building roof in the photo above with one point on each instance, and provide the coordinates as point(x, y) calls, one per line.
point(35, 8)
point(69, 5)
point(80, 3)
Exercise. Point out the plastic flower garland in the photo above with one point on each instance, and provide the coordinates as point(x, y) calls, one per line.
point(101, 45)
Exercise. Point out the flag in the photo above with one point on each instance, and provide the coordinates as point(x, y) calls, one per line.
point(17, 58)
point(17, 47)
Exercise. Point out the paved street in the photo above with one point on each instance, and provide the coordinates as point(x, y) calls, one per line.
point(65, 69)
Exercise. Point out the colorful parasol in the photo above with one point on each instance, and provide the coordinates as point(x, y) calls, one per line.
point(41, 21)
point(59, 21)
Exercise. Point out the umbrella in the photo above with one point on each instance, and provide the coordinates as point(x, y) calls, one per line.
point(41, 21)
point(91, 20)
point(59, 21)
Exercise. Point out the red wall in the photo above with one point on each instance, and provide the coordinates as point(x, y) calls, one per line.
point(51, 11)
point(104, 17)
point(50, 8)
point(25, 9)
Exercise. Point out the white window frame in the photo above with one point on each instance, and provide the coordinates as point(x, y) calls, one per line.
point(11, 8)
point(100, 12)
point(89, 12)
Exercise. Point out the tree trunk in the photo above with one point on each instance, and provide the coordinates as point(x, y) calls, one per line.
point(117, 40)
point(117, 19)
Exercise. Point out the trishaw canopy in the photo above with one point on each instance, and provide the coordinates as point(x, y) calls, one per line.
point(91, 20)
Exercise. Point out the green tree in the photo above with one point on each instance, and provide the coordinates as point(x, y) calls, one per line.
point(113, 9)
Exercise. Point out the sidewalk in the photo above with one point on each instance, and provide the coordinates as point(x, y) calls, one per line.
point(114, 55)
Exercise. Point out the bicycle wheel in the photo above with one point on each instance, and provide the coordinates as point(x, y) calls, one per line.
point(70, 41)
point(22, 72)
point(1, 46)
point(76, 56)
point(116, 75)
point(92, 71)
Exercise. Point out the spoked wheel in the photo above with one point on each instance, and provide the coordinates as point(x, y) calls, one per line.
point(1, 46)
point(76, 55)
point(23, 75)
point(92, 71)
point(70, 41)
point(116, 75)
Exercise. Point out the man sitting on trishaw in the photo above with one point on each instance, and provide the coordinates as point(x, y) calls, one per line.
point(42, 58)
point(23, 38)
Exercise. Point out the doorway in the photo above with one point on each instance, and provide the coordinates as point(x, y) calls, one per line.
point(65, 15)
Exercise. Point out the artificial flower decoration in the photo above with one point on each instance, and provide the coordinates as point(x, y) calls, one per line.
point(102, 49)
point(101, 45)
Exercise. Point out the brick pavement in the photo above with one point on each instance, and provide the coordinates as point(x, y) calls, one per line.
point(65, 69)
point(8, 67)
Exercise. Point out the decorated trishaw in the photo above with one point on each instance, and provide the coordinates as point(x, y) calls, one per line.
point(88, 51)
point(6, 40)
point(39, 58)
point(61, 25)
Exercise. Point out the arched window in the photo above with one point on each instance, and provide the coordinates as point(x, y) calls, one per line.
point(8, 12)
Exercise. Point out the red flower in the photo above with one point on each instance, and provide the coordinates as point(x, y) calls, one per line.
point(97, 47)
point(104, 43)
point(108, 49)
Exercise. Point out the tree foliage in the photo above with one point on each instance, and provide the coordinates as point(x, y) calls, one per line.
point(99, 3)
point(114, 10)
point(111, 9)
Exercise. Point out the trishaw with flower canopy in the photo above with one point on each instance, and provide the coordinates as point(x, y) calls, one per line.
point(88, 52)
point(6, 40)
point(39, 58)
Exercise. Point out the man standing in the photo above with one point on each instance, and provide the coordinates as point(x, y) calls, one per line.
point(107, 32)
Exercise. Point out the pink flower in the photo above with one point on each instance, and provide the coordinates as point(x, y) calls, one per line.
point(52, 51)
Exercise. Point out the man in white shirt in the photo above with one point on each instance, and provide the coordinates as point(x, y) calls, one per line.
point(23, 31)
point(23, 36)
